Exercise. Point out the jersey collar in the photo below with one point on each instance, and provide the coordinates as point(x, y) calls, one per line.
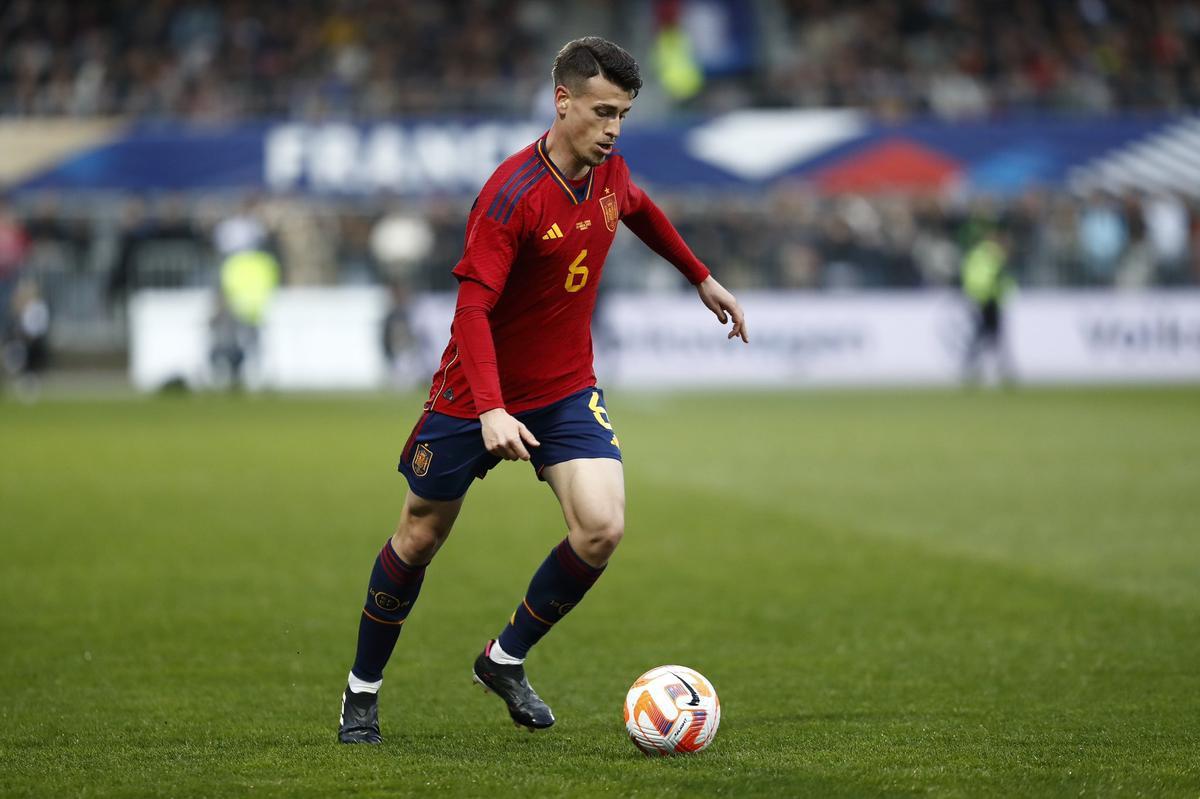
point(577, 195)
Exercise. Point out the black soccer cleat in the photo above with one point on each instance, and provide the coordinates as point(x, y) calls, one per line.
point(509, 683)
point(359, 722)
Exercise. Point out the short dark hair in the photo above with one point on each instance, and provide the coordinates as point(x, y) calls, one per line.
point(585, 58)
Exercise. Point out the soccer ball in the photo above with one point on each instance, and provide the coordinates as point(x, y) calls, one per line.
point(672, 710)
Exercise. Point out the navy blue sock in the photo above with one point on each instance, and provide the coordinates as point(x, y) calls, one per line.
point(557, 586)
point(390, 596)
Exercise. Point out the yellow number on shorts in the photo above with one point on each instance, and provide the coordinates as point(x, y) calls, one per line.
point(598, 411)
point(577, 270)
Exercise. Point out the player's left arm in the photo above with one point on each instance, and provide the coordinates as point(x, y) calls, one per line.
point(651, 225)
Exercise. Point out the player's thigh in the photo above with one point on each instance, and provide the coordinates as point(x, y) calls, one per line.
point(592, 494)
point(433, 514)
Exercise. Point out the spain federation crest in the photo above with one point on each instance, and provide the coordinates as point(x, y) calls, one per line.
point(608, 204)
point(421, 460)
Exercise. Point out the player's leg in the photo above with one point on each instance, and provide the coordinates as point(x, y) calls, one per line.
point(592, 494)
point(441, 459)
point(395, 584)
point(580, 459)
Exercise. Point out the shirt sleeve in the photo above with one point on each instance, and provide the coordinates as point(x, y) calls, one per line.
point(476, 348)
point(492, 240)
point(651, 225)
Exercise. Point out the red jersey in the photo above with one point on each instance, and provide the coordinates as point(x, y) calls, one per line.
point(538, 241)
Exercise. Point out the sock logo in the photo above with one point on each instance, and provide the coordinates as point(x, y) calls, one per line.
point(386, 601)
point(563, 607)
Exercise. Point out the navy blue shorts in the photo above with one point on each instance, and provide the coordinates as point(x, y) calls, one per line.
point(444, 453)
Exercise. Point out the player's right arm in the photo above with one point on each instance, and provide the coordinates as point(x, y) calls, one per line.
point(482, 272)
point(503, 435)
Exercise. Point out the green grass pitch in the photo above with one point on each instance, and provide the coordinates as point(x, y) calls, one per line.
point(897, 593)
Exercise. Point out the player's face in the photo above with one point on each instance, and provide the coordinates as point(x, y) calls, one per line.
point(592, 118)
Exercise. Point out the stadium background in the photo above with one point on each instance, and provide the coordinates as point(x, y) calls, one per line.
point(351, 138)
point(896, 591)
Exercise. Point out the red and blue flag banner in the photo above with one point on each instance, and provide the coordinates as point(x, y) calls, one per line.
point(833, 151)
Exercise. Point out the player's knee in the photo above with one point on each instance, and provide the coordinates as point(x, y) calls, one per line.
point(417, 542)
point(600, 536)
point(423, 528)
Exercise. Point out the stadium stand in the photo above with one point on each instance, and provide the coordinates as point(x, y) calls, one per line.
point(216, 62)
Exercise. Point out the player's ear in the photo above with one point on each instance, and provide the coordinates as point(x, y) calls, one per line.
point(562, 100)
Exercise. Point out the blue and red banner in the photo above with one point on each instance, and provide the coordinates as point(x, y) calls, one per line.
point(748, 151)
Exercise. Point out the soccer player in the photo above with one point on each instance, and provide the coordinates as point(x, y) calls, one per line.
point(516, 380)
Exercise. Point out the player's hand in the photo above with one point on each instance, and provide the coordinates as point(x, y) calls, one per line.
point(717, 299)
point(504, 436)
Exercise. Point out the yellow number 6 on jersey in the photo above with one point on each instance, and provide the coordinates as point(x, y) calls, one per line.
point(577, 270)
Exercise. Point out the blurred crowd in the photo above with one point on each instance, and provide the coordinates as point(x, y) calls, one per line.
point(223, 59)
point(78, 263)
point(968, 58)
point(792, 238)
point(808, 240)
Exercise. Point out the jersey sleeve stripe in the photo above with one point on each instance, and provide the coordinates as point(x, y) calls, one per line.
point(499, 201)
point(530, 183)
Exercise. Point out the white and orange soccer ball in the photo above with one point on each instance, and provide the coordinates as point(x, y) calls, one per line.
point(672, 710)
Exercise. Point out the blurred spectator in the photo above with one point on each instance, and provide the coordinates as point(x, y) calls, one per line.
point(160, 247)
point(1137, 266)
point(1102, 238)
point(986, 283)
point(26, 337)
point(49, 227)
point(401, 346)
point(399, 241)
point(14, 248)
point(249, 276)
point(678, 71)
point(1166, 219)
point(244, 230)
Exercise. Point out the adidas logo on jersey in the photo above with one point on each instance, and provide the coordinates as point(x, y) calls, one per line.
point(553, 232)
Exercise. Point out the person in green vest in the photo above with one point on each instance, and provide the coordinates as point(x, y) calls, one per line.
point(986, 283)
point(249, 279)
point(679, 72)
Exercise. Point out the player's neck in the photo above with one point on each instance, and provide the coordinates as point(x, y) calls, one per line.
point(560, 153)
